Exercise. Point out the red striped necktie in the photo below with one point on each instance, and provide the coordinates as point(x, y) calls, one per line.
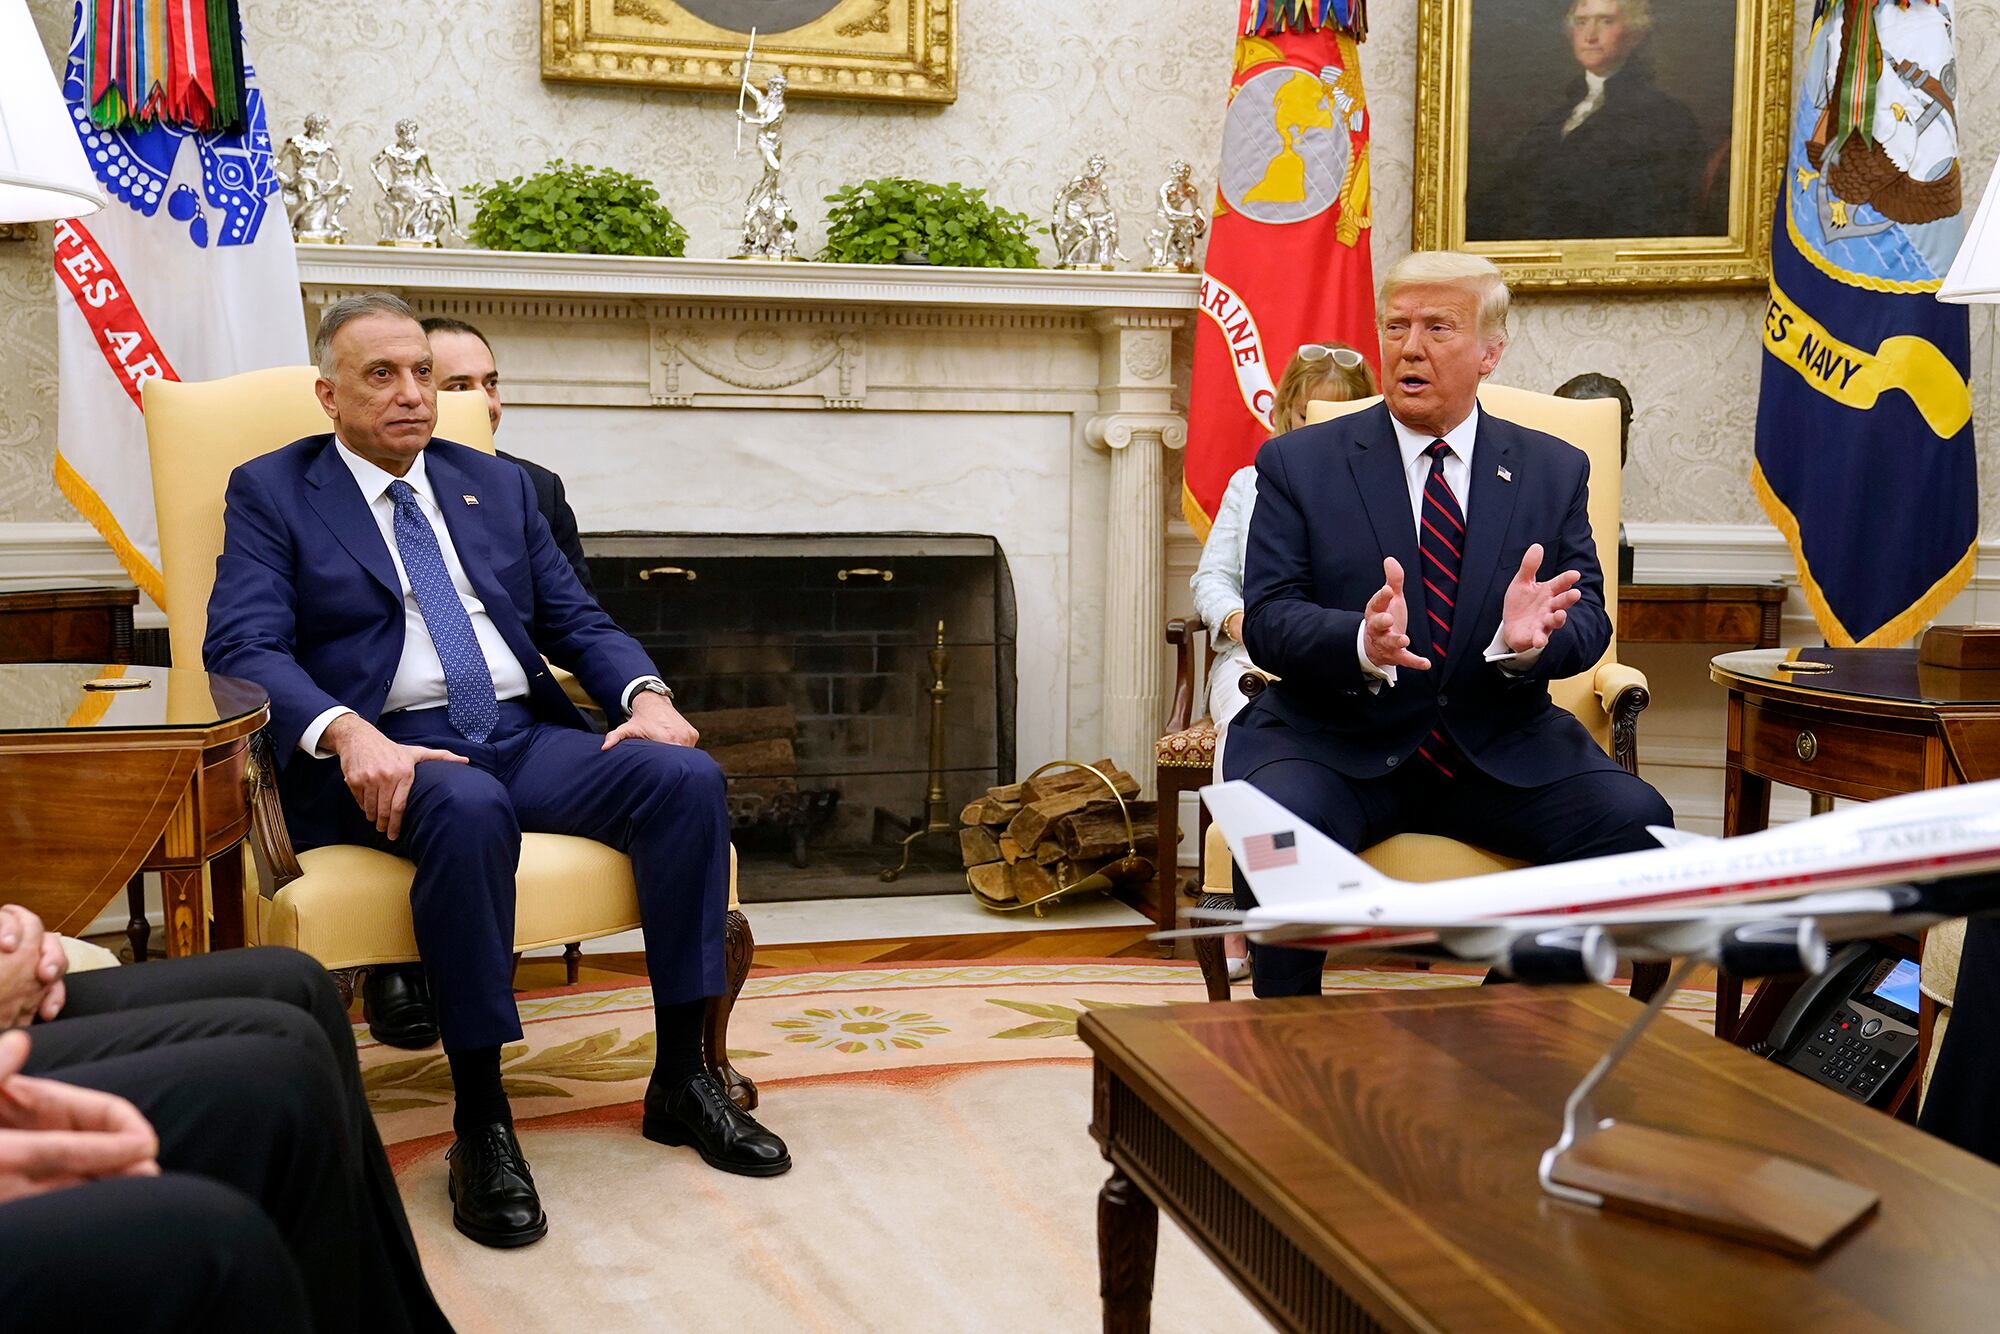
point(1441, 539)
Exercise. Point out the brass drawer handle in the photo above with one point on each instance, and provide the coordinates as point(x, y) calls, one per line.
point(664, 570)
point(1807, 746)
point(868, 572)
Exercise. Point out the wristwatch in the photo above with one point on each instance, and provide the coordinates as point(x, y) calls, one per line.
point(657, 687)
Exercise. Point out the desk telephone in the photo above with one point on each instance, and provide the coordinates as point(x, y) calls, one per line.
point(1853, 1027)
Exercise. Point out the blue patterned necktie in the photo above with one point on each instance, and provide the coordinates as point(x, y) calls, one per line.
point(468, 683)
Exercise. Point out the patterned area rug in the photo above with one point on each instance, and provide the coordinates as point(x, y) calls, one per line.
point(938, 1118)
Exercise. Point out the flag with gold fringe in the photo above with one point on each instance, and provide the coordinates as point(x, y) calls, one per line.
point(1864, 455)
point(189, 274)
point(1288, 259)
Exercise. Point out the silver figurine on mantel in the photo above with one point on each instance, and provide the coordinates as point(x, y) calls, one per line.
point(769, 230)
point(416, 208)
point(1181, 226)
point(314, 189)
point(1086, 225)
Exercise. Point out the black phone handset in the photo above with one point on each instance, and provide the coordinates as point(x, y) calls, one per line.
point(1808, 1004)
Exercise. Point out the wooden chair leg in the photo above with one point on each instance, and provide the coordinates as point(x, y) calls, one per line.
point(737, 947)
point(137, 930)
point(1208, 952)
point(344, 982)
point(1648, 978)
point(572, 961)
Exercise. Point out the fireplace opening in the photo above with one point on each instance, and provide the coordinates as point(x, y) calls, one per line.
point(810, 663)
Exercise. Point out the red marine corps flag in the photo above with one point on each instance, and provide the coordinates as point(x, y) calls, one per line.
point(1288, 255)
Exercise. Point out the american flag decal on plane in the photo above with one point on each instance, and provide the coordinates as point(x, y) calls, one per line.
point(1263, 852)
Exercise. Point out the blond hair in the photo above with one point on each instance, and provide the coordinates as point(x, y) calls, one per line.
point(1304, 381)
point(1451, 268)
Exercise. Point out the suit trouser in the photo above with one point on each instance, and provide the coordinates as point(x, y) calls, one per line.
point(1962, 1105)
point(1587, 814)
point(661, 805)
point(244, 1063)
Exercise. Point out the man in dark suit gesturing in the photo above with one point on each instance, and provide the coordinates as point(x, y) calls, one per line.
point(396, 595)
point(1417, 573)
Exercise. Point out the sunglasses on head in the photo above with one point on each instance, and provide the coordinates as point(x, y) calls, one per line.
point(1344, 357)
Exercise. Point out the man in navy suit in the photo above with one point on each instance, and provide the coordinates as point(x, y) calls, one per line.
point(396, 596)
point(1417, 573)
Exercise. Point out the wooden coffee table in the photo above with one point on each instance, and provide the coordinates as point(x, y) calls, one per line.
point(1368, 1162)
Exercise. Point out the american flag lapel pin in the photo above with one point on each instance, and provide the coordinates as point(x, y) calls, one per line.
point(470, 500)
point(1505, 476)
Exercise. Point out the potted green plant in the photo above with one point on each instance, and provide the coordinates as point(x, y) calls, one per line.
point(575, 209)
point(895, 219)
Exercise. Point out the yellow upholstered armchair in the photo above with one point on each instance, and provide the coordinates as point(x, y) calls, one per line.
point(349, 907)
point(1608, 698)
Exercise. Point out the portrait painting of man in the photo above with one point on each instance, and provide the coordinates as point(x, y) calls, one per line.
point(1599, 118)
point(1602, 143)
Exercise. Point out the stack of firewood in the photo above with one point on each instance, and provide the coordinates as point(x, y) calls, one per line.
point(1024, 841)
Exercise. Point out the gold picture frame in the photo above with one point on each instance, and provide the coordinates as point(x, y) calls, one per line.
point(1463, 183)
point(879, 50)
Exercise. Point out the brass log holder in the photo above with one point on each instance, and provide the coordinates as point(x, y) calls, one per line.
point(1131, 869)
point(936, 818)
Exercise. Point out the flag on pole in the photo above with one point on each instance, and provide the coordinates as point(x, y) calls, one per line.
point(1288, 259)
point(1864, 453)
point(189, 274)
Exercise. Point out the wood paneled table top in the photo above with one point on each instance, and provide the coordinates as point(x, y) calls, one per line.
point(1875, 723)
point(1356, 1163)
point(98, 785)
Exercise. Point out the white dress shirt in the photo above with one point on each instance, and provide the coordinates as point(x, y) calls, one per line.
point(1415, 447)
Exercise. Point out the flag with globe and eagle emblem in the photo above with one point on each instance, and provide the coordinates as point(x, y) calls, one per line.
point(189, 274)
point(1288, 259)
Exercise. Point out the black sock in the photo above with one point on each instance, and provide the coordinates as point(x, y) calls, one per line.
point(475, 1075)
point(678, 1034)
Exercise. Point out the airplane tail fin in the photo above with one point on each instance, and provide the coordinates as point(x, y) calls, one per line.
point(1285, 859)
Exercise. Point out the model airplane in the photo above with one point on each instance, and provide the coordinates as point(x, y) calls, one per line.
point(1757, 904)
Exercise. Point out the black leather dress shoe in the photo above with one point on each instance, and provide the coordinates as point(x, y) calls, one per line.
point(493, 1199)
point(396, 1001)
point(698, 1112)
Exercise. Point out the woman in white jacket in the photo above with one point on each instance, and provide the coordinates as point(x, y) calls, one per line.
point(1328, 372)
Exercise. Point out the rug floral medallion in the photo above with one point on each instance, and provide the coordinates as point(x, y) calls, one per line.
point(938, 1115)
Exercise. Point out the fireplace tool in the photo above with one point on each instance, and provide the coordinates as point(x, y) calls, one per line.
point(936, 818)
point(1126, 871)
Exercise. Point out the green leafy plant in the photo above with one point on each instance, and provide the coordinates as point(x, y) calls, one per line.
point(575, 209)
point(875, 222)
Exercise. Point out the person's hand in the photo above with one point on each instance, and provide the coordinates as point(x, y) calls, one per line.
point(54, 1135)
point(378, 771)
point(27, 976)
point(654, 718)
point(1386, 621)
point(1534, 610)
point(1232, 626)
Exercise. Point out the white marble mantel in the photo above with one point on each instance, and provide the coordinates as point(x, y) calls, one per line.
point(750, 396)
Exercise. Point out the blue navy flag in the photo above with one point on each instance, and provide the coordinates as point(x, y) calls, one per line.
point(1864, 424)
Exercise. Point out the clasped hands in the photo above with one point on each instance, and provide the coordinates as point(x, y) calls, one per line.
point(52, 1134)
point(379, 772)
point(1531, 611)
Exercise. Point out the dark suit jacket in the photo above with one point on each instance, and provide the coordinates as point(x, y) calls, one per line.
point(554, 505)
point(1331, 503)
point(1632, 169)
point(307, 603)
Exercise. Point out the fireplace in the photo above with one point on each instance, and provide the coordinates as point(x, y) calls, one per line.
point(806, 659)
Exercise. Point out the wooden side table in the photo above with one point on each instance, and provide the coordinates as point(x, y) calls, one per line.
point(1700, 613)
point(1876, 723)
point(1361, 1163)
point(67, 624)
point(100, 785)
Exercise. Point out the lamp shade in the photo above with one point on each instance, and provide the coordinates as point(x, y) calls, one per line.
point(43, 174)
point(1975, 274)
